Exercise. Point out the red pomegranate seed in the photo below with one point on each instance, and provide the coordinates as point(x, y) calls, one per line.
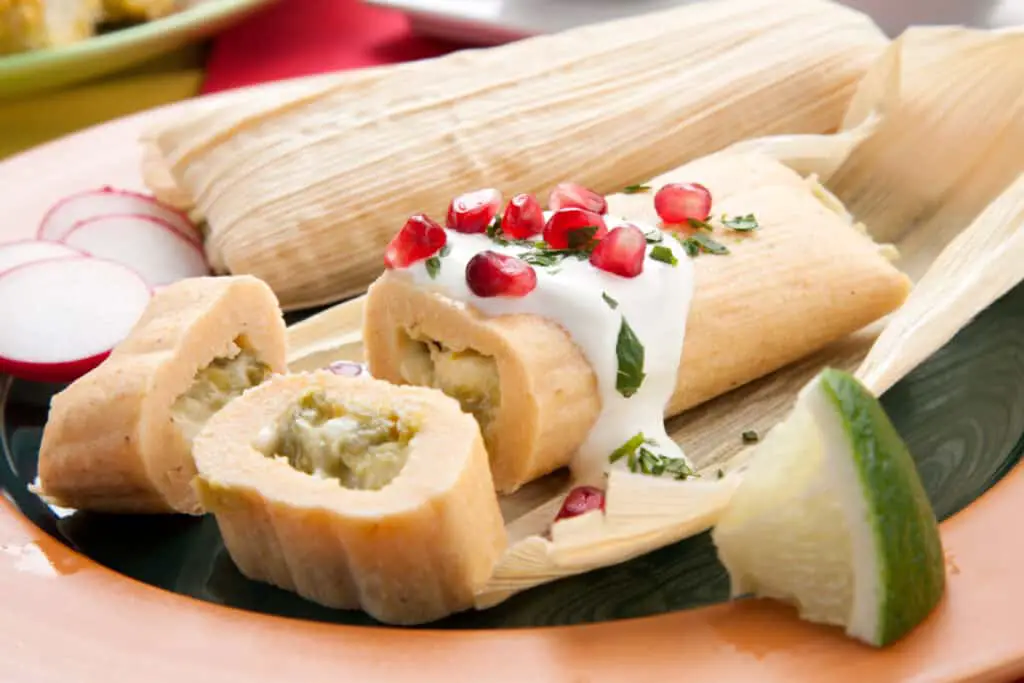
point(581, 499)
point(575, 196)
point(681, 202)
point(491, 274)
point(565, 221)
point(523, 217)
point(418, 239)
point(474, 211)
point(622, 252)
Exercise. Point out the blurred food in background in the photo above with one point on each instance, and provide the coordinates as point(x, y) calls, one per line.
point(27, 25)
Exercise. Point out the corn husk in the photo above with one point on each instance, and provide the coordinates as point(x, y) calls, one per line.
point(928, 172)
point(304, 186)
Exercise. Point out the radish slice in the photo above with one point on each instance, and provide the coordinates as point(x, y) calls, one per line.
point(13, 254)
point(147, 245)
point(70, 211)
point(62, 317)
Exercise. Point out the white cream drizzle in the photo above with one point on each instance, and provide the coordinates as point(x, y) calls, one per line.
point(655, 304)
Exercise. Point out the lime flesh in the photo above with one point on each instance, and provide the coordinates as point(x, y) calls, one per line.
point(832, 517)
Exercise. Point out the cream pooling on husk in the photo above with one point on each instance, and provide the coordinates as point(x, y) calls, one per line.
point(573, 294)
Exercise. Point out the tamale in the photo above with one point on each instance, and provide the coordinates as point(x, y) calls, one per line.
point(304, 188)
point(354, 493)
point(119, 438)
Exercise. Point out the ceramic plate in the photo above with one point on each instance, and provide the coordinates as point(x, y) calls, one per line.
point(94, 597)
point(30, 72)
point(488, 22)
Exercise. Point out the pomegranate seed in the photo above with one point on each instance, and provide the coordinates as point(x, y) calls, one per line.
point(622, 252)
point(565, 221)
point(581, 499)
point(474, 211)
point(418, 239)
point(681, 202)
point(491, 274)
point(574, 196)
point(523, 217)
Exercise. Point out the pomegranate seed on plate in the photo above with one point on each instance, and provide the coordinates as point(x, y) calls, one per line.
point(474, 211)
point(490, 274)
point(523, 217)
point(565, 221)
point(681, 202)
point(581, 499)
point(575, 196)
point(419, 238)
point(622, 252)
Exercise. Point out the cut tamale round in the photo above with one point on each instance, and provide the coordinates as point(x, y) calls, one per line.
point(797, 276)
point(354, 493)
point(119, 438)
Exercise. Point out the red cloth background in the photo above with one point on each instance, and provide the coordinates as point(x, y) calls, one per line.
point(292, 38)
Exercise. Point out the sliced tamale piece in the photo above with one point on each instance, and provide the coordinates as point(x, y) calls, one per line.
point(354, 494)
point(119, 438)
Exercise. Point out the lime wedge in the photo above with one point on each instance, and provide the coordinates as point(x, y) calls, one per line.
point(831, 516)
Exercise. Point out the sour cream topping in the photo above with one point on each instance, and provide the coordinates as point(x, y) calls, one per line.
point(573, 294)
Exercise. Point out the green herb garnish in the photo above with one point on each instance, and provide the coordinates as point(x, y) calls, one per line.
point(551, 257)
point(653, 237)
point(628, 448)
point(612, 303)
point(663, 254)
point(699, 224)
point(630, 354)
point(636, 189)
point(645, 461)
point(750, 436)
point(433, 265)
point(741, 223)
point(494, 230)
point(721, 473)
point(582, 238)
point(445, 250)
point(699, 242)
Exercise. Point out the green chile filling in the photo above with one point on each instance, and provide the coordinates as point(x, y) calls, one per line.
point(469, 377)
point(214, 386)
point(322, 438)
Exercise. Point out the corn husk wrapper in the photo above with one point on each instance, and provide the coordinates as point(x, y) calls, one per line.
point(922, 169)
point(303, 184)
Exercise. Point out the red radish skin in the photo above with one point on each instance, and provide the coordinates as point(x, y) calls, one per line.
point(69, 212)
point(474, 211)
point(148, 246)
point(419, 239)
point(679, 203)
point(14, 254)
point(564, 221)
point(490, 274)
point(621, 252)
point(575, 196)
point(63, 316)
point(581, 500)
point(523, 217)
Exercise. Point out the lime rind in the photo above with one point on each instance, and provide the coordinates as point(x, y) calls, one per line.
point(832, 517)
point(910, 577)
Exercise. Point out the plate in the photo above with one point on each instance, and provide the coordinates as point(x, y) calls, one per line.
point(489, 22)
point(77, 589)
point(30, 72)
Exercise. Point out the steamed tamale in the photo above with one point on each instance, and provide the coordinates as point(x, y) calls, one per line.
point(355, 494)
point(303, 186)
